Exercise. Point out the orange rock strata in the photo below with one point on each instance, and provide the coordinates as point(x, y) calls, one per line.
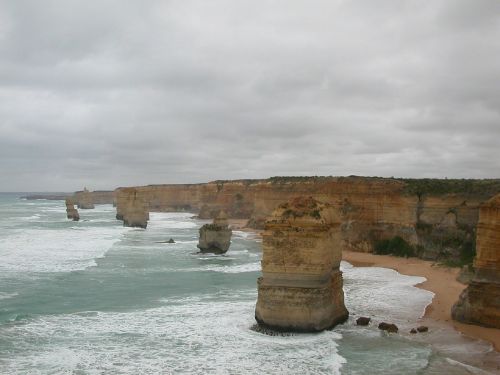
point(301, 286)
point(372, 209)
point(134, 209)
point(92, 198)
point(480, 302)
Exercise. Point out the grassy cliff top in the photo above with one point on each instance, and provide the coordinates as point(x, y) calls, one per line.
point(412, 186)
point(435, 186)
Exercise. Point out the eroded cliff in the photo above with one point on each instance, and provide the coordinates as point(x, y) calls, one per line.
point(301, 284)
point(436, 217)
point(134, 209)
point(91, 198)
point(480, 302)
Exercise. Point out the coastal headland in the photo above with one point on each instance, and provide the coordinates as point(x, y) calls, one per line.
point(425, 220)
point(436, 218)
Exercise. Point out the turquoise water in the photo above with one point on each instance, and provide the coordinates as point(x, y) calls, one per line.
point(93, 297)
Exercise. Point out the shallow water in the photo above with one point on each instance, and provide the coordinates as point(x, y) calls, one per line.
point(93, 297)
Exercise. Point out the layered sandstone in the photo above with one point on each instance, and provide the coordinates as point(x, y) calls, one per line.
point(90, 198)
point(85, 200)
point(71, 211)
point(432, 215)
point(480, 302)
point(216, 237)
point(301, 286)
point(135, 211)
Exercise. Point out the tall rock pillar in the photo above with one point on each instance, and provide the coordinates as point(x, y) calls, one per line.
point(479, 303)
point(71, 211)
point(136, 210)
point(301, 286)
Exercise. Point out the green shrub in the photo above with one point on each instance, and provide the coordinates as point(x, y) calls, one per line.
point(424, 226)
point(435, 186)
point(468, 252)
point(395, 246)
point(315, 214)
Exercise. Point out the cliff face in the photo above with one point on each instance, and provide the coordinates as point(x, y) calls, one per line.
point(84, 200)
point(91, 198)
point(134, 209)
point(480, 301)
point(301, 286)
point(440, 224)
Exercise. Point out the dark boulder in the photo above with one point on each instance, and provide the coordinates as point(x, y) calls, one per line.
point(363, 321)
point(422, 329)
point(389, 327)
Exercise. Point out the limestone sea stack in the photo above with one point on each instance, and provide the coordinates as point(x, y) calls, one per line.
point(136, 211)
point(71, 211)
point(301, 286)
point(215, 237)
point(479, 303)
point(85, 200)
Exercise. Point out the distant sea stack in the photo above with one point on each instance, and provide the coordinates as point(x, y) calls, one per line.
point(301, 287)
point(71, 211)
point(216, 237)
point(85, 201)
point(136, 210)
point(479, 303)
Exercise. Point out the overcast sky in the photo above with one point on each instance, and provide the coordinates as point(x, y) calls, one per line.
point(114, 93)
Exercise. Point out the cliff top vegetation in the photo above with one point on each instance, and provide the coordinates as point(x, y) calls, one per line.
point(435, 186)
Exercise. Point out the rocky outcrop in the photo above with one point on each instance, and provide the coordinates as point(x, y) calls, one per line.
point(135, 211)
point(301, 286)
point(215, 237)
point(84, 200)
point(90, 198)
point(71, 211)
point(436, 217)
point(388, 327)
point(363, 321)
point(479, 303)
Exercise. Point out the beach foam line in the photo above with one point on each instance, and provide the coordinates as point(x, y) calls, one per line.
point(140, 341)
point(28, 251)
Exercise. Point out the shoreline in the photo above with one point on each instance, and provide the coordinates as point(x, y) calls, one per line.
point(441, 281)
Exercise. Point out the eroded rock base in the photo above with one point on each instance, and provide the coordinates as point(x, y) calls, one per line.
point(289, 308)
point(479, 304)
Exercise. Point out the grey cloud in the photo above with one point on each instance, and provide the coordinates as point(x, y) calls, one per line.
point(119, 93)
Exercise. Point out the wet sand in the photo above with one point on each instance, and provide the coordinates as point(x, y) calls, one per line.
point(440, 280)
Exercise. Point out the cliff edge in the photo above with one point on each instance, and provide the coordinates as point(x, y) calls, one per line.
point(479, 303)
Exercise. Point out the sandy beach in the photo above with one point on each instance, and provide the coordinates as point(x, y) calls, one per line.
point(440, 280)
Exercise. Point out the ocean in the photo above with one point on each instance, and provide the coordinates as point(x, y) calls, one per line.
point(94, 297)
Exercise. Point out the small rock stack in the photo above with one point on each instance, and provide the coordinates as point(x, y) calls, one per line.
point(71, 211)
point(215, 237)
point(301, 287)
